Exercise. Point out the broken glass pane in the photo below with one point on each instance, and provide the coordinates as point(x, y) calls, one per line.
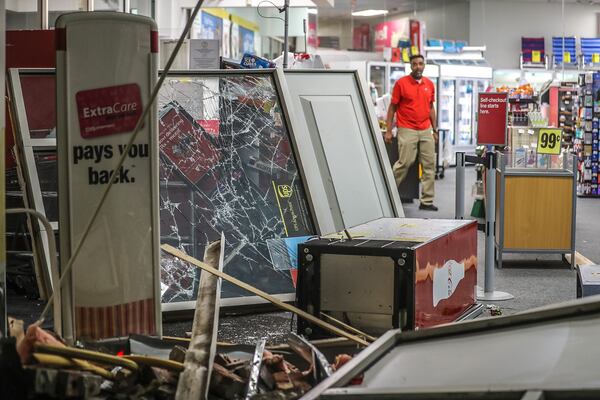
point(227, 165)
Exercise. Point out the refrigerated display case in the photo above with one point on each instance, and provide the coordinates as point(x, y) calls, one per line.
point(395, 72)
point(377, 75)
point(459, 90)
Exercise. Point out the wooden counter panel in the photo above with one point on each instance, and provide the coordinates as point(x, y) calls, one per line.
point(538, 212)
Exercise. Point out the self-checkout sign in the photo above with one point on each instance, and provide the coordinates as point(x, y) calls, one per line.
point(549, 141)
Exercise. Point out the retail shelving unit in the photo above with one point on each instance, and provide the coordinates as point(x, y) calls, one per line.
point(536, 206)
point(585, 144)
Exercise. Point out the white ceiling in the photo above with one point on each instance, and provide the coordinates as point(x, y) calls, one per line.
point(343, 8)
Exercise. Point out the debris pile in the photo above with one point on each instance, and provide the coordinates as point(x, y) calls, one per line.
point(37, 365)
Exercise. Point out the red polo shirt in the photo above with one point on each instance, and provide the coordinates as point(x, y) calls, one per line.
point(414, 100)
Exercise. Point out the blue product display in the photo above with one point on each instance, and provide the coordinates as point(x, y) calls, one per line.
point(251, 61)
point(587, 145)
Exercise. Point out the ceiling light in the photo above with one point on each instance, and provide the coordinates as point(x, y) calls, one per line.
point(313, 11)
point(369, 13)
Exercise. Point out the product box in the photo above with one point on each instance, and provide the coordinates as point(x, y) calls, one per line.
point(253, 62)
point(393, 273)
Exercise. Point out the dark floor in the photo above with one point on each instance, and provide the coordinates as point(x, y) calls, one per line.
point(533, 283)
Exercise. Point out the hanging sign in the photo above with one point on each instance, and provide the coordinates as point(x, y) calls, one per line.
point(567, 57)
point(536, 56)
point(492, 118)
point(113, 287)
point(549, 141)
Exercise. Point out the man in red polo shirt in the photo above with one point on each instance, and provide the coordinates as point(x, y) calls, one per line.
point(412, 105)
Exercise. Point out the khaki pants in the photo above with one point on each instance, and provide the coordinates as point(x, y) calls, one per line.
point(411, 142)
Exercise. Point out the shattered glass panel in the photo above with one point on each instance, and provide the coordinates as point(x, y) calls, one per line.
point(226, 164)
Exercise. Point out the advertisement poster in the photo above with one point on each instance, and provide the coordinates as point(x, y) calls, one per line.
point(182, 139)
point(211, 27)
point(226, 42)
point(115, 290)
point(387, 34)
point(235, 41)
point(246, 40)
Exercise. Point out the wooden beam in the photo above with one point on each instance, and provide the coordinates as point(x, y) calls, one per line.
point(287, 307)
point(580, 259)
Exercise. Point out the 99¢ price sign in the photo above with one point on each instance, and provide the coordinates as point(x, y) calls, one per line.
point(549, 141)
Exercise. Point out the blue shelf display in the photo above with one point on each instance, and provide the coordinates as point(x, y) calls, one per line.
point(563, 46)
point(586, 143)
point(590, 49)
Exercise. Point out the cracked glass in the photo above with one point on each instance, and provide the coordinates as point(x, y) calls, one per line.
point(227, 165)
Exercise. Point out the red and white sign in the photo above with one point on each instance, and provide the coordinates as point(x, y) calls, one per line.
point(387, 34)
point(492, 118)
point(114, 284)
point(110, 110)
point(417, 35)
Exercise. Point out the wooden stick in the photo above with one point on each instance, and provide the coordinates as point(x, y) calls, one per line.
point(63, 362)
point(156, 362)
point(348, 327)
point(287, 307)
point(194, 380)
point(89, 355)
point(580, 259)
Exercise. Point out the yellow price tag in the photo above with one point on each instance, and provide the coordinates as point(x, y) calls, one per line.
point(536, 56)
point(596, 58)
point(549, 141)
point(414, 50)
point(405, 56)
point(567, 57)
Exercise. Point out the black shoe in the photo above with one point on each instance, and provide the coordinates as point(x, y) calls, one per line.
point(428, 207)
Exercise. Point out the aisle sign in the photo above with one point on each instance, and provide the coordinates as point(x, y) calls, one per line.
point(596, 58)
point(567, 57)
point(492, 118)
point(536, 56)
point(549, 141)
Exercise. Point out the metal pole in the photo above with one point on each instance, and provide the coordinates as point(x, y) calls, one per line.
point(459, 204)
point(305, 34)
point(490, 226)
point(126, 6)
point(43, 11)
point(490, 222)
point(286, 17)
point(3, 321)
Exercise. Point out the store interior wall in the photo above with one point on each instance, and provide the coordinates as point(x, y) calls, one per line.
point(445, 19)
point(500, 24)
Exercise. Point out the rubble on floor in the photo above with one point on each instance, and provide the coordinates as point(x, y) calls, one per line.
point(37, 364)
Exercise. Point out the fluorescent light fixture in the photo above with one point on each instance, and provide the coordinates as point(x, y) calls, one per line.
point(313, 11)
point(369, 13)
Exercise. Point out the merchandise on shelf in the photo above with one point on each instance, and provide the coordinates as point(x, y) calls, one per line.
point(585, 143)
